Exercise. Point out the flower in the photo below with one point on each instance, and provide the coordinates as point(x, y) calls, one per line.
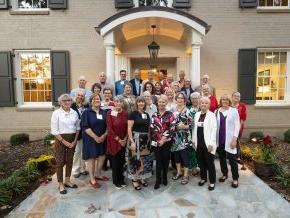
point(267, 140)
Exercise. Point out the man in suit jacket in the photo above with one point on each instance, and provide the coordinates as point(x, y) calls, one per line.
point(119, 85)
point(136, 83)
point(187, 90)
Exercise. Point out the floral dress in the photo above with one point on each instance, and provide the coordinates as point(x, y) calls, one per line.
point(181, 137)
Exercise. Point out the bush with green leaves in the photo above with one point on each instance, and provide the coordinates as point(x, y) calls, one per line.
point(282, 176)
point(287, 136)
point(20, 180)
point(256, 136)
point(47, 139)
point(18, 139)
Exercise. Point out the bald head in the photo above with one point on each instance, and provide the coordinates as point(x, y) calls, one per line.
point(82, 82)
point(205, 79)
point(102, 77)
point(170, 77)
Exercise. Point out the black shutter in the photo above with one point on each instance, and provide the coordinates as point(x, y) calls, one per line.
point(181, 3)
point(6, 80)
point(60, 74)
point(247, 71)
point(57, 4)
point(248, 3)
point(4, 4)
point(124, 4)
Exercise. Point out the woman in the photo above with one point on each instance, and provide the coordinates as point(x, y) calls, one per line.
point(96, 88)
point(138, 150)
point(117, 126)
point(94, 139)
point(65, 127)
point(228, 127)
point(79, 165)
point(158, 89)
point(194, 98)
point(182, 138)
point(150, 107)
point(148, 86)
point(129, 99)
point(206, 93)
point(161, 140)
point(242, 110)
point(187, 90)
point(171, 105)
point(176, 87)
point(107, 104)
point(204, 141)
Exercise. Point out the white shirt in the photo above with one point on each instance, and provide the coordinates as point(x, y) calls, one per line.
point(63, 122)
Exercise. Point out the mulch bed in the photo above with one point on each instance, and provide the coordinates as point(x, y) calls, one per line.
point(15, 157)
point(283, 156)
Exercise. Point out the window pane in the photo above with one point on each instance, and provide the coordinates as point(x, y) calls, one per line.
point(269, 2)
point(40, 84)
point(33, 85)
point(284, 2)
point(283, 57)
point(47, 84)
point(26, 84)
point(26, 96)
point(281, 84)
point(33, 96)
point(40, 96)
point(48, 96)
point(32, 4)
point(281, 94)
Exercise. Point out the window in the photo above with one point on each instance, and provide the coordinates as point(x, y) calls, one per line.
point(272, 74)
point(33, 77)
point(32, 4)
point(274, 3)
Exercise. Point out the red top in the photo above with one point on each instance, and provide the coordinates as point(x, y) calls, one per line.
point(243, 116)
point(117, 127)
point(213, 103)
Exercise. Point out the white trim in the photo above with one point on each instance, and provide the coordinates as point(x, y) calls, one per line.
point(162, 14)
point(18, 83)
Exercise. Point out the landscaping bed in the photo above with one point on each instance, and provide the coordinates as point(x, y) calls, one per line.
point(23, 168)
point(280, 182)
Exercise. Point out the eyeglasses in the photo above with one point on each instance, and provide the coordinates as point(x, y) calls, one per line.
point(66, 100)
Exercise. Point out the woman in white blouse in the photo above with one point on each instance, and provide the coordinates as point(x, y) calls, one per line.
point(204, 142)
point(228, 127)
point(65, 126)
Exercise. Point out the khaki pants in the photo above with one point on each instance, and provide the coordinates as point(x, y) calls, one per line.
point(79, 165)
point(64, 156)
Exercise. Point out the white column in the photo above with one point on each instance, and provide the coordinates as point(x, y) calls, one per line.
point(195, 65)
point(109, 42)
point(196, 42)
point(110, 62)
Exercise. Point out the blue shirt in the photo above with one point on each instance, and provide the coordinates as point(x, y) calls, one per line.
point(137, 82)
point(119, 87)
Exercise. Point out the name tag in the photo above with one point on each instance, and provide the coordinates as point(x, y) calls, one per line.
point(199, 124)
point(102, 104)
point(114, 113)
point(99, 116)
point(144, 116)
point(154, 144)
point(122, 82)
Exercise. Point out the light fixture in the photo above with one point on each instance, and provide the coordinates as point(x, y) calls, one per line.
point(270, 56)
point(153, 47)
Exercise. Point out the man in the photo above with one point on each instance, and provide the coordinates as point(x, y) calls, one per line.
point(119, 85)
point(81, 85)
point(167, 83)
point(136, 83)
point(187, 90)
point(104, 83)
point(205, 81)
point(150, 75)
point(181, 78)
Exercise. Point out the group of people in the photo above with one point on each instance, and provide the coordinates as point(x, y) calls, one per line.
point(135, 123)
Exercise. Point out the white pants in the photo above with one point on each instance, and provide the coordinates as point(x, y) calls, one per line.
point(79, 165)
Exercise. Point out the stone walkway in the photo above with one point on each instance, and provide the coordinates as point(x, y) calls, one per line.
point(253, 198)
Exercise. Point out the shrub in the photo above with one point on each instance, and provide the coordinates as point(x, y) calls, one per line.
point(47, 139)
point(246, 152)
point(42, 163)
point(265, 152)
point(283, 177)
point(18, 139)
point(257, 135)
point(287, 136)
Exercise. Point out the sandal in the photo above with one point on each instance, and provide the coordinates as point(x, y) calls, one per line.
point(63, 192)
point(68, 186)
point(145, 184)
point(102, 178)
point(176, 177)
point(185, 180)
point(136, 185)
point(223, 178)
point(95, 185)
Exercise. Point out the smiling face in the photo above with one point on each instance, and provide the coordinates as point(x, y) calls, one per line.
point(127, 89)
point(80, 97)
point(205, 90)
point(162, 102)
point(149, 87)
point(204, 104)
point(236, 97)
point(118, 104)
point(140, 105)
point(225, 101)
point(108, 94)
point(180, 99)
point(170, 94)
point(137, 74)
point(147, 97)
point(82, 83)
point(102, 77)
point(157, 86)
point(123, 75)
point(96, 101)
point(66, 103)
point(194, 101)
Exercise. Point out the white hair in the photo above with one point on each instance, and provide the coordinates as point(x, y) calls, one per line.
point(195, 95)
point(62, 97)
point(204, 99)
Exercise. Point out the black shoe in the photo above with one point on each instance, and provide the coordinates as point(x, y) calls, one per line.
point(211, 188)
point(77, 175)
point(68, 186)
point(223, 178)
point(118, 187)
point(157, 186)
point(235, 185)
point(145, 184)
point(84, 173)
point(165, 182)
point(201, 182)
point(63, 192)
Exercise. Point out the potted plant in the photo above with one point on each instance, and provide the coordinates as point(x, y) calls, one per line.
point(264, 157)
